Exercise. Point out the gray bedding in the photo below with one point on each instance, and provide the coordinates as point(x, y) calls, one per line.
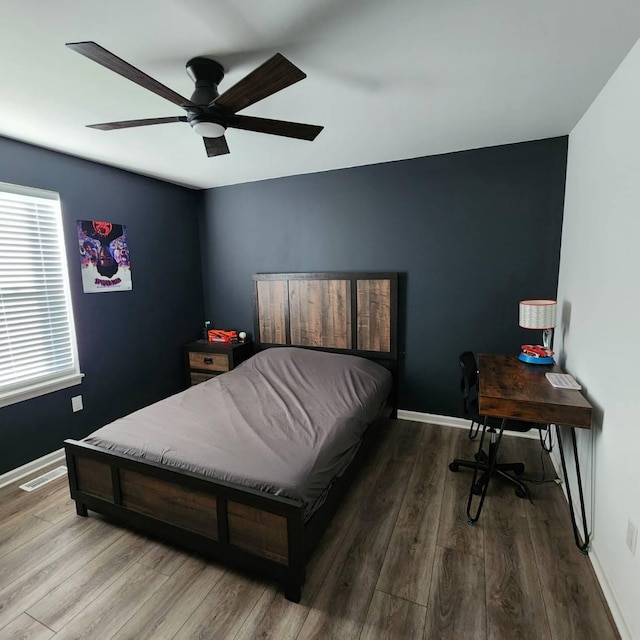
point(287, 421)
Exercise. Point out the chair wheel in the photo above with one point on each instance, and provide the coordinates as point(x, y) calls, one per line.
point(521, 493)
point(453, 466)
point(477, 489)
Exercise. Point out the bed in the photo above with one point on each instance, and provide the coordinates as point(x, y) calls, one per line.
point(234, 484)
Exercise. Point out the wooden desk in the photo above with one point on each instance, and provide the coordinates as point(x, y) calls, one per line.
point(510, 388)
point(514, 390)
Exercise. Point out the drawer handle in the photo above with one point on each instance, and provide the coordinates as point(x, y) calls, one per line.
point(208, 360)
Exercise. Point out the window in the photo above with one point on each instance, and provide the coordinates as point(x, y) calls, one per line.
point(38, 350)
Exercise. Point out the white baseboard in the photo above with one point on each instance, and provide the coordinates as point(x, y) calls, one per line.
point(598, 567)
point(609, 594)
point(31, 467)
point(433, 418)
point(451, 421)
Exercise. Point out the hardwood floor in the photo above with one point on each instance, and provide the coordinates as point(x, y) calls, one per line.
point(398, 561)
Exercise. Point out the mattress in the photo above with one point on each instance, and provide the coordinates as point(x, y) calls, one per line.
point(287, 421)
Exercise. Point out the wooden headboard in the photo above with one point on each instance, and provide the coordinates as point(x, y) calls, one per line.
point(347, 312)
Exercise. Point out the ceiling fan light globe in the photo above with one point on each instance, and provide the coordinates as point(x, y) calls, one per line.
point(208, 129)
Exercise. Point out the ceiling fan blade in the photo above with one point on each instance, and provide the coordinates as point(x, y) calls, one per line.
point(126, 124)
point(272, 76)
point(107, 59)
point(216, 146)
point(275, 127)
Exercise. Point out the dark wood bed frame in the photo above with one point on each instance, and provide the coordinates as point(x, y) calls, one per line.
point(345, 312)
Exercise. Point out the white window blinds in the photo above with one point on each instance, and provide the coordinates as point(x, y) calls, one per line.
point(38, 351)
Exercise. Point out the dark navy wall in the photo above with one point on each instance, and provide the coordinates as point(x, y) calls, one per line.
point(130, 341)
point(472, 232)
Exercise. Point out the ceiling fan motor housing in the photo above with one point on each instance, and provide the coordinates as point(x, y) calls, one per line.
point(206, 75)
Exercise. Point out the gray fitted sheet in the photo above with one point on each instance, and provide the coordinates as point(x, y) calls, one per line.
point(287, 421)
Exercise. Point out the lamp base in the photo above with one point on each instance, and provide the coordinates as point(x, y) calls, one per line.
point(536, 359)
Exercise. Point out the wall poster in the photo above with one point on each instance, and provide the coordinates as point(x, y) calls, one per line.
point(104, 256)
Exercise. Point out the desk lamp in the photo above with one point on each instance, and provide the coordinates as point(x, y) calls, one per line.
point(538, 314)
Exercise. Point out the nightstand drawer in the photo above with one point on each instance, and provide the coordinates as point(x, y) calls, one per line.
point(205, 360)
point(197, 378)
point(208, 361)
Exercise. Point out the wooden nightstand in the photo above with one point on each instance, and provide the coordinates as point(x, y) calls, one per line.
point(205, 360)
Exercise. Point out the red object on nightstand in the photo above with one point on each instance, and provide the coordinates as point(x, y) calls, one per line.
point(218, 335)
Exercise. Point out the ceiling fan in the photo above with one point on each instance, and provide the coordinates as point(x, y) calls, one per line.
point(208, 112)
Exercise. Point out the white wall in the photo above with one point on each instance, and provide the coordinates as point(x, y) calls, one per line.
point(599, 335)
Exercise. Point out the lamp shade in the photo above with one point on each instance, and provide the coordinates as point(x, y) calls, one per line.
point(538, 314)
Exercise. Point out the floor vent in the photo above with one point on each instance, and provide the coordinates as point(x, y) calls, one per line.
point(38, 482)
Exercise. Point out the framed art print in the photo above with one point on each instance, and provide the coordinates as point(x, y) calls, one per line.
point(104, 256)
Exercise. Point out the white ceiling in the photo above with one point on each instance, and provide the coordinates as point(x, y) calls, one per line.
point(388, 80)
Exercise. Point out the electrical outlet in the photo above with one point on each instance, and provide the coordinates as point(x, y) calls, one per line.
point(632, 536)
point(76, 403)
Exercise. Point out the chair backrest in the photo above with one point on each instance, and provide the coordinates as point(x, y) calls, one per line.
point(469, 381)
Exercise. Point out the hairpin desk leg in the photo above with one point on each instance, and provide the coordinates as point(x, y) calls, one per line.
point(584, 547)
point(494, 445)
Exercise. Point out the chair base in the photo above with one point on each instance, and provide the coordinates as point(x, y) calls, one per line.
point(501, 469)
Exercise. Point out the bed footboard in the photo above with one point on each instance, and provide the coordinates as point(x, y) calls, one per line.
point(219, 520)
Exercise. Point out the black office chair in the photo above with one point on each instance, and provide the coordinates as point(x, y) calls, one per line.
point(468, 393)
point(485, 463)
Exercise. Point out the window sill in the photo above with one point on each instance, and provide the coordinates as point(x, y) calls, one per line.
point(40, 389)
